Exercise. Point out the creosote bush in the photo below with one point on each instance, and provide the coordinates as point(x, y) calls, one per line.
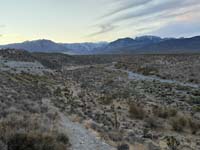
point(178, 123)
point(164, 112)
point(136, 111)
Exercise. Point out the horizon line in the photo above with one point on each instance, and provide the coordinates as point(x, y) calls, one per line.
point(57, 42)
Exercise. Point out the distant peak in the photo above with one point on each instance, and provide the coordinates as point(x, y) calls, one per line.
point(40, 40)
point(45, 40)
point(147, 37)
point(127, 38)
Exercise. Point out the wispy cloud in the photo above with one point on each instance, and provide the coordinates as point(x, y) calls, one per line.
point(132, 13)
point(104, 28)
point(155, 7)
point(126, 4)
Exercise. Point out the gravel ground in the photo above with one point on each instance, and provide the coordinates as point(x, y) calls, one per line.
point(81, 138)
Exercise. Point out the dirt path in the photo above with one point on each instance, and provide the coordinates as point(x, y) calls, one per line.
point(80, 138)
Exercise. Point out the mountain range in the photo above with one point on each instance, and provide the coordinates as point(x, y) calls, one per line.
point(138, 45)
point(44, 45)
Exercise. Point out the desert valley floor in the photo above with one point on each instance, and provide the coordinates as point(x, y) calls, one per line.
point(137, 102)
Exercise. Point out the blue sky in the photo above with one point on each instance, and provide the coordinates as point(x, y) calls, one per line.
point(96, 20)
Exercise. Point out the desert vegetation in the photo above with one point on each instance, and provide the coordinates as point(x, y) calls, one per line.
point(31, 131)
point(97, 92)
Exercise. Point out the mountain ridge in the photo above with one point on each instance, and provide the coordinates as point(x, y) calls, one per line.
point(153, 44)
point(142, 44)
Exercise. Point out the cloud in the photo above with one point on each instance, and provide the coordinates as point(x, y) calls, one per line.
point(156, 7)
point(103, 29)
point(146, 15)
point(126, 4)
point(180, 28)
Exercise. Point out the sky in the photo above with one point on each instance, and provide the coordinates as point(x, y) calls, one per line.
point(70, 21)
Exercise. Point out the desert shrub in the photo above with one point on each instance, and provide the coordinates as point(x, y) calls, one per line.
point(63, 138)
point(178, 123)
point(106, 100)
point(109, 82)
point(196, 92)
point(182, 88)
point(172, 142)
point(172, 112)
point(115, 136)
point(31, 132)
point(67, 93)
point(58, 92)
point(120, 65)
point(136, 111)
point(148, 70)
point(125, 93)
point(193, 125)
point(152, 123)
point(196, 108)
point(36, 141)
point(164, 112)
point(194, 100)
point(193, 80)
